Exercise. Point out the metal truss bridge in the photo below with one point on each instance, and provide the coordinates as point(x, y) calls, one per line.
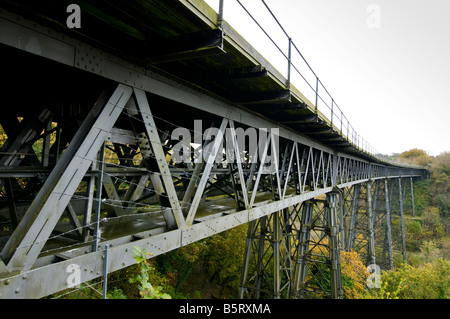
point(89, 123)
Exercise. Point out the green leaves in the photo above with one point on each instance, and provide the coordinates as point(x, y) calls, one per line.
point(146, 289)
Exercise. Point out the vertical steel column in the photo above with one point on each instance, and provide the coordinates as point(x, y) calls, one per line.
point(412, 197)
point(370, 228)
point(303, 250)
point(246, 261)
point(46, 145)
point(341, 220)
point(375, 202)
point(260, 257)
point(402, 219)
point(251, 285)
point(276, 255)
point(11, 203)
point(346, 211)
point(353, 217)
point(335, 257)
point(388, 235)
point(288, 229)
point(98, 204)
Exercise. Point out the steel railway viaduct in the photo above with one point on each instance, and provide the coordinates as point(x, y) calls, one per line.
point(89, 140)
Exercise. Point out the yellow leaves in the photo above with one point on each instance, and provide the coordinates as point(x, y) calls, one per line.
point(354, 274)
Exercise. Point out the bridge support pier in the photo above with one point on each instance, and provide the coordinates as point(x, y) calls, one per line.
point(361, 225)
point(388, 234)
point(402, 219)
point(332, 230)
point(294, 253)
point(376, 218)
point(267, 269)
point(318, 268)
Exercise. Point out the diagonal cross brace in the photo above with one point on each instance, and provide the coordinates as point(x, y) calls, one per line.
point(28, 239)
point(206, 172)
point(160, 156)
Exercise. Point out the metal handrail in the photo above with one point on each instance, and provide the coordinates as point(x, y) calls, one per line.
point(337, 117)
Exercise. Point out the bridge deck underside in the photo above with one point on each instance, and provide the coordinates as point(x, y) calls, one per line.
point(182, 39)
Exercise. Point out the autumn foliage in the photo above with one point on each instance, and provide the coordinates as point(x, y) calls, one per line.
point(353, 274)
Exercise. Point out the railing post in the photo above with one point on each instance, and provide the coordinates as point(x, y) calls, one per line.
point(348, 129)
point(317, 93)
point(289, 64)
point(220, 17)
point(105, 272)
point(332, 106)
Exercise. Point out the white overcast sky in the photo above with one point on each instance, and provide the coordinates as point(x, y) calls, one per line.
point(388, 70)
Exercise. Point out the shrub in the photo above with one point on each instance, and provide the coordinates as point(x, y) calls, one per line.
point(432, 221)
point(431, 281)
point(353, 274)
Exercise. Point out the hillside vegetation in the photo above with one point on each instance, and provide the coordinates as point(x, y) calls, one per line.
point(427, 273)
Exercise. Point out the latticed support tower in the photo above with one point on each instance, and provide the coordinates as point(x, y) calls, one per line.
point(268, 268)
point(382, 225)
point(294, 253)
point(361, 228)
point(317, 268)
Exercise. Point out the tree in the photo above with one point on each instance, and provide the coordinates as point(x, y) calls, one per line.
point(416, 157)
point(440, 188)
point(354, 275)
point(432, 222)
point(224, 257)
